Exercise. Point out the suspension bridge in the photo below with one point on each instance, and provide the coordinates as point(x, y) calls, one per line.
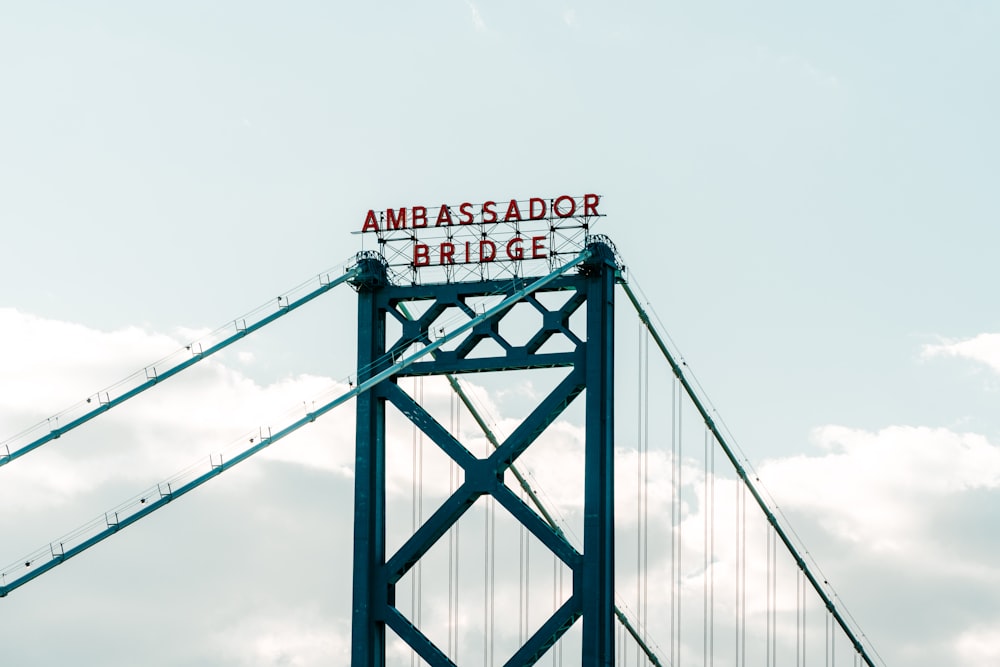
point(574, 535)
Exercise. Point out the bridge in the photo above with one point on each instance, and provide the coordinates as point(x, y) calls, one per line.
point(506, 550)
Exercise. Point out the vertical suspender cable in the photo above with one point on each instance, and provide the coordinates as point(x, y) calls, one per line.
point(741, 471)
point(420, 507)
point(458, 533)
point(414, 493)
point(736, 605)
point(774, 597)
point(673, 521)
point(798, 618)
point(708, 620)
point(493, 578)
point(486, 583)
point(769, 604)
point(451, 540)
point(527, 584)
point(645, 490)
point(555, 598)
point(560, 597)
point(743, 575)
point(620, 659)
point(711, 553)
point(493, 564)
point(642, 445)
point(453, 533)
point(704, 601)
point(520, 582)
point(638, 489)
point(680, 516)
point(826, 647)
point(803, 604)
point(674, 527)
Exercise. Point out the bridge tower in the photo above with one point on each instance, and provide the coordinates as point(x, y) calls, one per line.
point(591, 363)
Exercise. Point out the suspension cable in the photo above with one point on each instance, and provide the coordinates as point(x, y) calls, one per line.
point(101, 401)
point(141, 506)
point(741, 471)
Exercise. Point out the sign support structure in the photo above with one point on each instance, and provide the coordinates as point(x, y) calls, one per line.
point(591, 371)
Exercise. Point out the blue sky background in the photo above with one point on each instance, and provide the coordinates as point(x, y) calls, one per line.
point(806, 194)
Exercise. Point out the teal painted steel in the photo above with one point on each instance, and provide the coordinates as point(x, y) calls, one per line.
point(54, 554)
point(598, 575)
point(368, 634)
point(591, 370)
point(159, 376)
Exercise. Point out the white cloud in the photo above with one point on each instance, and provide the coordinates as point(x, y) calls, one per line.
point(868, 483)
point(984, 348)
point(300, 641)
point(979, 646)
point(207, 408)
point(477, 18)
point(869, 496)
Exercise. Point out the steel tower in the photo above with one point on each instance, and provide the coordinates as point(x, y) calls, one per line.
point(591, 363)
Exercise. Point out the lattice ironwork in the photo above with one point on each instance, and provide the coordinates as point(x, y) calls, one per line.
point(589, 359)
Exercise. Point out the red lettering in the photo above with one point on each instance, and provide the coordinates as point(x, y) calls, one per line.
point(371, 222)
point(537, 249)
point(533, 213)
point(466, 252)
point(420, 213)
point(421, 255)
point(590, 204)
point(486, 244)
point(465, 210)
point(444, 216)
point(489, 215)
point(395, 220)
point(572, 206)
point(514, 248)
point(513, 212)
point(447, 253)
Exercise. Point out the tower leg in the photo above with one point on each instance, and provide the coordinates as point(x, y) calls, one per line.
point(597, 580)
point(370, 592)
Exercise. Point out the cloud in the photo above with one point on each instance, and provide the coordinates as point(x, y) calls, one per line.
point(984, 348)
point(895, 514)
point(298, 641)
point(979, 646)
point(477, 18)
point(865, 488)
point(205, 410)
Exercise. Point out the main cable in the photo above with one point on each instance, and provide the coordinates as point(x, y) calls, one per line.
point(770, 513)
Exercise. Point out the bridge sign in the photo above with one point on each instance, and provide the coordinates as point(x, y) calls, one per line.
point(481, 241)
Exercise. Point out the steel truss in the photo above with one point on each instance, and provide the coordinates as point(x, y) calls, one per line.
point(376, 573)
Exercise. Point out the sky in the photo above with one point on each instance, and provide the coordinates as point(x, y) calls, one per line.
point(805, 196)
